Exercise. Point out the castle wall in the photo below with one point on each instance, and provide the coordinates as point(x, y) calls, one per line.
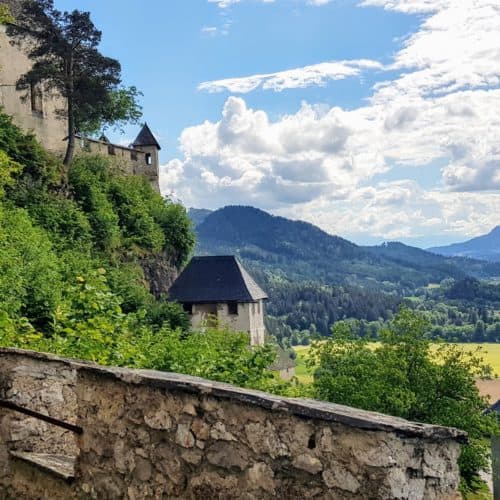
point(49, 129)
point(48, 126)
point(131, 160)
point(150, 434)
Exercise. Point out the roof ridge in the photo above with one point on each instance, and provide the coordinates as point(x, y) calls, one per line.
point(245, 275)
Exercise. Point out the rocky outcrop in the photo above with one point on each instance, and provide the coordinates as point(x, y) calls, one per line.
point(159, 272)
point(150, 434)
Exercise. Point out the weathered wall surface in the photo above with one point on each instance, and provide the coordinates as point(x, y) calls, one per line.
point(250, 318)
point(159, 435)
point(131, 161)
point(48, 387)
point(49, 129)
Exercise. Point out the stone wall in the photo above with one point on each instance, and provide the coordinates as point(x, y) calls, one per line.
point(130, 160)
point(150, 434)
point(46, 125)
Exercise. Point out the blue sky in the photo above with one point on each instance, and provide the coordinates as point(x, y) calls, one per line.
point(412, 159)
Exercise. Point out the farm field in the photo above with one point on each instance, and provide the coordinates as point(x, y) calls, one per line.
point(491, 356)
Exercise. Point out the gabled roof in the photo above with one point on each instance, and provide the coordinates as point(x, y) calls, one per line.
point(215, 279)
point(145, 138)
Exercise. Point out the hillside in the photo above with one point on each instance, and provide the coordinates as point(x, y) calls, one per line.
point(301, 251)
point(73, 241)
point(486, 247)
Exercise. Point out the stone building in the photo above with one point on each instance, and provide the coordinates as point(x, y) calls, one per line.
point(219, 288)
point(39, 111)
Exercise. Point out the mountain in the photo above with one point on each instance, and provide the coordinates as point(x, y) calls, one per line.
point(198, 215)
point(301, 251)
point(486, 247)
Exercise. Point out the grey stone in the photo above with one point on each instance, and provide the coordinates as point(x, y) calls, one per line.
point(143, 469)
point(219, 432)
point(184, 436)
point(260, 475)
point(158, 419)
point(228, 456)
point(341, 478)
point(308, 463)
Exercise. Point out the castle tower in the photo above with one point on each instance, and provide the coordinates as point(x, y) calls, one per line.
point(147, 143)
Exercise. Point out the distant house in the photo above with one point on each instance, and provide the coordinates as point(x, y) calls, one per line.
point(220, 287)
point(284, 365)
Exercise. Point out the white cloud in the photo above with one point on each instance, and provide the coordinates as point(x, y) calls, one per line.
point(209, 30)
point(313, 75)
point(224, 4)
point(441, 112)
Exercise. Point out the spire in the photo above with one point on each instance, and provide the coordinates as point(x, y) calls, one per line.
point(145, 138)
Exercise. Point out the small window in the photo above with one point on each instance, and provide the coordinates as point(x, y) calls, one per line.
point(133, 155)
point(85, 145)
point(111, 149)
point(36, 99)
point(232, 308)
point(188, 308)
point(149, 159)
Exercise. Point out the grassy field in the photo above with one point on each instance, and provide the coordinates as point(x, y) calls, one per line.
point(491, 356)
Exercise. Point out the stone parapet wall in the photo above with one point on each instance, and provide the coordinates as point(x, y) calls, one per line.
point(150, 434)
point(47, 387)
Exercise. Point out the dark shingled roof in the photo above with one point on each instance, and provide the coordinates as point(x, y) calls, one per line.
point(215, 279)
point(495, 407)
point(145, 138)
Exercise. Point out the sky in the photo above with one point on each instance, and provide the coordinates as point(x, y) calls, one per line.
point(374, 119)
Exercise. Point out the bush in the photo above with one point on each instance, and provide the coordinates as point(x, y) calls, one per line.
point(402, 376)
point(30, 281)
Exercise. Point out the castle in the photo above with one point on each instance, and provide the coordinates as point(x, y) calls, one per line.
point(37, 112)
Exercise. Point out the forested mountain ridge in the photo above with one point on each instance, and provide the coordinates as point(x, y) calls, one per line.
point(302, 251)
point(486, 247)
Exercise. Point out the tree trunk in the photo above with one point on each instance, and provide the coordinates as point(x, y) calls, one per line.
point(70, 149)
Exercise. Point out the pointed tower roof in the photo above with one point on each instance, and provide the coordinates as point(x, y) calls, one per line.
point(145, 138)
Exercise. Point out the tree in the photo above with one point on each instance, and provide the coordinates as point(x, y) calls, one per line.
point(405, 377)
point(67, 60)
point(5, 15)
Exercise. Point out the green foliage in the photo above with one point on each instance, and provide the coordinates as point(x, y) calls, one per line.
point(124, 211)
point(70, 276)
point(55, 228)
point(119, 108)
point(88, 177)
point(30, 284)
point(38, 168)
point(62, 218)
point(90, 324)
point(5, 15)
point(8, 168)
point(215, 353)
point(402, 376)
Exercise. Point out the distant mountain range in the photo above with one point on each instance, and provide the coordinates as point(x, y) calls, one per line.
point(486, 247)
point(301, 251)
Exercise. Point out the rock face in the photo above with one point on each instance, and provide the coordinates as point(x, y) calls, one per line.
point(158, 435)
